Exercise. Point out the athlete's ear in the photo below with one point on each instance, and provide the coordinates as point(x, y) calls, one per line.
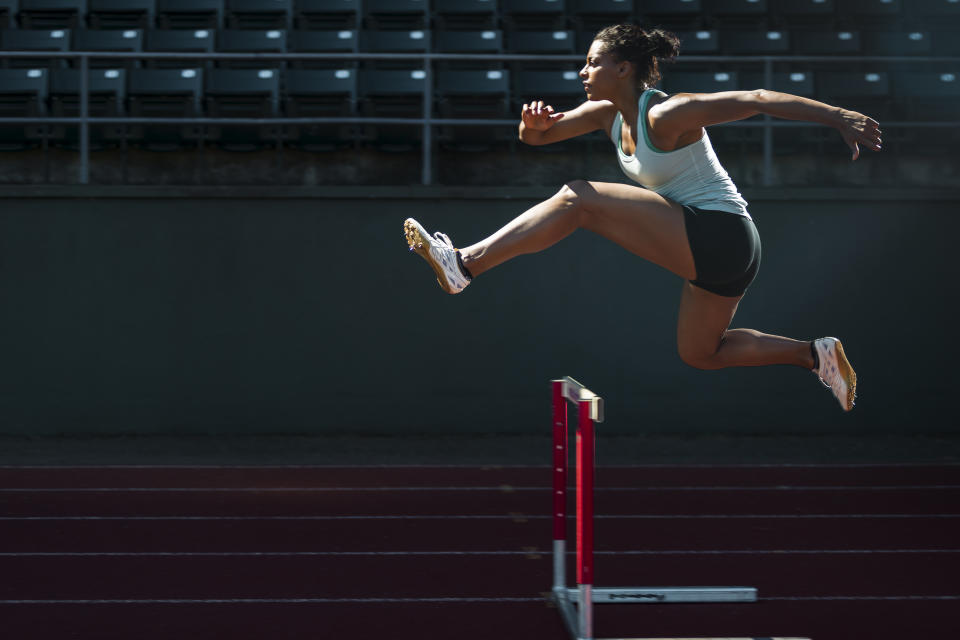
point(624, 69)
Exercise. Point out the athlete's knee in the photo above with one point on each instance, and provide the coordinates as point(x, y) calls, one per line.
point(574, 195)
point(699, 358)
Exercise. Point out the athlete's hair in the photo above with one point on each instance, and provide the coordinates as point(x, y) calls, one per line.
point(631, 43)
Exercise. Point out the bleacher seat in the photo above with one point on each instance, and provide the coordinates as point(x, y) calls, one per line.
point(938, 9)
point(546, 42)
point(701, 42)
point(928, 95)
point(395, 14)
point(118, 40)
point(259, 14)
point(805, 8)
point(864, 91)
point(799, 83)
point(534, 15)
point(700, 81)
point(752, 8)
point(473, 94)
point(562, 89)
point(672, 14)
point(342, 41)
point(475, 15)
point(890, 43)
point(251, 41)
point(52, 14)
point(107, 95)
point(758, 43)
point(35, 40)
point(826, 43)
point(415, 41)
point(190, 14)
point(121, 14)
point(23, 94)
point(486, 41)
point(179, 41)
point(8, 13)
point(242, 93)
point(865, 14)
point(320, 93)
point(592, 15)
point(164, 93)
point(326, 15)
point(392, 93)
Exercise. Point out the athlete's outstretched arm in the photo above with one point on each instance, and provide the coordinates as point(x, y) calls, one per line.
point(689, 111)
point(541, 124)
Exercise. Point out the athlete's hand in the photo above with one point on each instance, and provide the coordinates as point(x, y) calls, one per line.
point(858, 129)
point(538, 116)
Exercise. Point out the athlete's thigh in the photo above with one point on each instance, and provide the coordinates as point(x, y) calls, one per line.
point(639, 220)
point(702, 321)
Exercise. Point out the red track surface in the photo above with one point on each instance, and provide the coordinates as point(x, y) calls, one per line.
point(463, 552)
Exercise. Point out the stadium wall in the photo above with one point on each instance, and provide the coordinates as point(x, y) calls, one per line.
point(251, 311)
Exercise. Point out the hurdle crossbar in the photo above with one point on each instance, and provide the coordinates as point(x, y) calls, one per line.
point(576, 604)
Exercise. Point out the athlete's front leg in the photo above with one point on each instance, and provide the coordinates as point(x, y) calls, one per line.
point(534, 230)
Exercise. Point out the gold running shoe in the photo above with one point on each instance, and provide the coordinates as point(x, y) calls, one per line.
point(439, 253)
point(835, 371)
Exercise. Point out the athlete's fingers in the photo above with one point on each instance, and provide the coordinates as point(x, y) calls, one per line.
point(856, 151)
point(556, 116)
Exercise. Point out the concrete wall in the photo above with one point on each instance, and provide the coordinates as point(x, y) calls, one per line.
point(264, 315)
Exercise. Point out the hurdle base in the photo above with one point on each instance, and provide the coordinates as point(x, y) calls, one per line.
point(662, 595)
point(565, 600)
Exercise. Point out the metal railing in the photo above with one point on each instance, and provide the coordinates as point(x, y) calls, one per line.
point(427, 121)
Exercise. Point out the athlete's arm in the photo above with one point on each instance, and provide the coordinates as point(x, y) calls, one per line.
point(540, 124)
point(685, 112)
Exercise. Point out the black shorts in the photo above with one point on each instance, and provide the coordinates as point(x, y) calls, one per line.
point(726, 250)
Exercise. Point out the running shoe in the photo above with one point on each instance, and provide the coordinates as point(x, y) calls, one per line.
point(439, 253)
point(835, 371)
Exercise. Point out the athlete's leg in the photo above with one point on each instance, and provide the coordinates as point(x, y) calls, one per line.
point(704, 341)
point(639, 220)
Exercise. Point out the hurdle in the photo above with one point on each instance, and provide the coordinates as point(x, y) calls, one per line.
point(576, 604)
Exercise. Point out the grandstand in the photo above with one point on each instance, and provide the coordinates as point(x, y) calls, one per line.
point(318, 81)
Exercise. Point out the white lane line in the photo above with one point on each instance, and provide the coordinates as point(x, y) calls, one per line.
point(525, 552)
point(428, 600)
point(500, 488)
point(512, 517)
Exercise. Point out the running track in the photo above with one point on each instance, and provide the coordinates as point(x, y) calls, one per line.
point(463, 552)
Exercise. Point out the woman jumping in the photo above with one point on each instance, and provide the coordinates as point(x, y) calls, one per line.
point(687, 216)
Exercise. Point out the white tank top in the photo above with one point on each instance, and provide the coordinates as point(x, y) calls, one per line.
point(691, 175)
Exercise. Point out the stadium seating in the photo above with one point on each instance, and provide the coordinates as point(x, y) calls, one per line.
point(117, 40)
point(472, 94)
point(259, 14)
point(326, 14)
point(164, 93)
point(52, 14)
point(486, 41)
point(392, 93)
point(107, 90)
point(122, 14)
point(321, 93)
point(493, 89)
point(251, 41)
point(242, 93)
point(190, 14)
point(23, 94)
point(35, 40)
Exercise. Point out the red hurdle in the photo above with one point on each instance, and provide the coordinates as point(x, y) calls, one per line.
point(576, 605)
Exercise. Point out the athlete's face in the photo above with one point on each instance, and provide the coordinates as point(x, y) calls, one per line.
point(602, 73)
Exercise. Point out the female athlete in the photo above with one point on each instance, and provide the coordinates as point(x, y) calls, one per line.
point(687, 216)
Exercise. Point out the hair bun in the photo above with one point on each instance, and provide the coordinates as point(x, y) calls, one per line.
point(664, 44)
